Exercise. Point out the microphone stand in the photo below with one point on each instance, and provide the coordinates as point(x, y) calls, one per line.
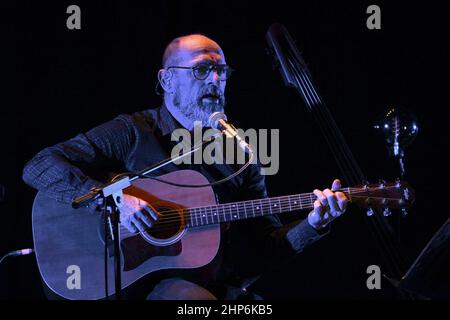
point(112, 194)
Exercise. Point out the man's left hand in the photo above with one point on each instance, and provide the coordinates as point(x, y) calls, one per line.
point(328, 206)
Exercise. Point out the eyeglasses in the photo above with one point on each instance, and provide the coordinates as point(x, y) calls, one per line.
point(201, 71)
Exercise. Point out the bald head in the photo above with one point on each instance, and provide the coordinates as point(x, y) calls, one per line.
point(188, 96)
point(185, 47)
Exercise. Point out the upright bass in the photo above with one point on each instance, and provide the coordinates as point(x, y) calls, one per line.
point(295, 74)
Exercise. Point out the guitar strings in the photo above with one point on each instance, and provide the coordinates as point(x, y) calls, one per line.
point(169, 224)
point(299, 197)
point(172, 218)
point(305, 198)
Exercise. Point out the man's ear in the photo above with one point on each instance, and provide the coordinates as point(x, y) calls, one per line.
point(164, 77)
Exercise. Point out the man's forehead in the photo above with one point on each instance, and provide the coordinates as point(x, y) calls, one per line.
point(200, 55)
point(199, 49)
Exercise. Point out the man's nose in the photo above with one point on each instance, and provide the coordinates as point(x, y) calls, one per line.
point(214, 76)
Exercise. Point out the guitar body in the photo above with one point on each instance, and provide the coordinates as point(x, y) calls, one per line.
point(69, 242)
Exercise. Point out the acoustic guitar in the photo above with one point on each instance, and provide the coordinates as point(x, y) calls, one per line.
point(186, 235)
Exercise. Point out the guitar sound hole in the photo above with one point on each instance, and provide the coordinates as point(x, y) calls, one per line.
point(169, 224)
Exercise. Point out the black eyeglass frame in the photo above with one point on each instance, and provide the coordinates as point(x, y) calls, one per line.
point(211, 67)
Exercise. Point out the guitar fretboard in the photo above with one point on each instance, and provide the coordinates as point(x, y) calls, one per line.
point(234, 211)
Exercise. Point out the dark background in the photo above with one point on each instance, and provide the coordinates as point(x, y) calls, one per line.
point(60, 82)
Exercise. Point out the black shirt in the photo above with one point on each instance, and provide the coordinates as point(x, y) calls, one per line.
point(133, 142)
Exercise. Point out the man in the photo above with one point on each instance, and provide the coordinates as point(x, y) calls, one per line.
point(193, 78)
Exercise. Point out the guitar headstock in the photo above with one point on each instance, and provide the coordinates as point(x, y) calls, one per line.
point(384, 195)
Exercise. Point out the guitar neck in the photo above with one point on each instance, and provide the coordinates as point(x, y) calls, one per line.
point(241, 210)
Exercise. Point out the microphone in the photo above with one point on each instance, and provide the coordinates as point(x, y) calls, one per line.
point(218, 120)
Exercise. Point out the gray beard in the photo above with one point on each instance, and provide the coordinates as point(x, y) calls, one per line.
point(197, 111)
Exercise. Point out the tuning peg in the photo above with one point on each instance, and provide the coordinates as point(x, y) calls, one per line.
point(381, 183)
point(404, 212)
point(370, 212)
point(406, 194)
point(387, 212)
point(398, 183)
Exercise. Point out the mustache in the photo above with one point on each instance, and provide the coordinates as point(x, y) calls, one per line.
point(212, 90)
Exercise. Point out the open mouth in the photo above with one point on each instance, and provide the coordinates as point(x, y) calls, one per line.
point(210, 98)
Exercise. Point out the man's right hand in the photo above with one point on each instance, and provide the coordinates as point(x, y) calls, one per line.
point(136, 214)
